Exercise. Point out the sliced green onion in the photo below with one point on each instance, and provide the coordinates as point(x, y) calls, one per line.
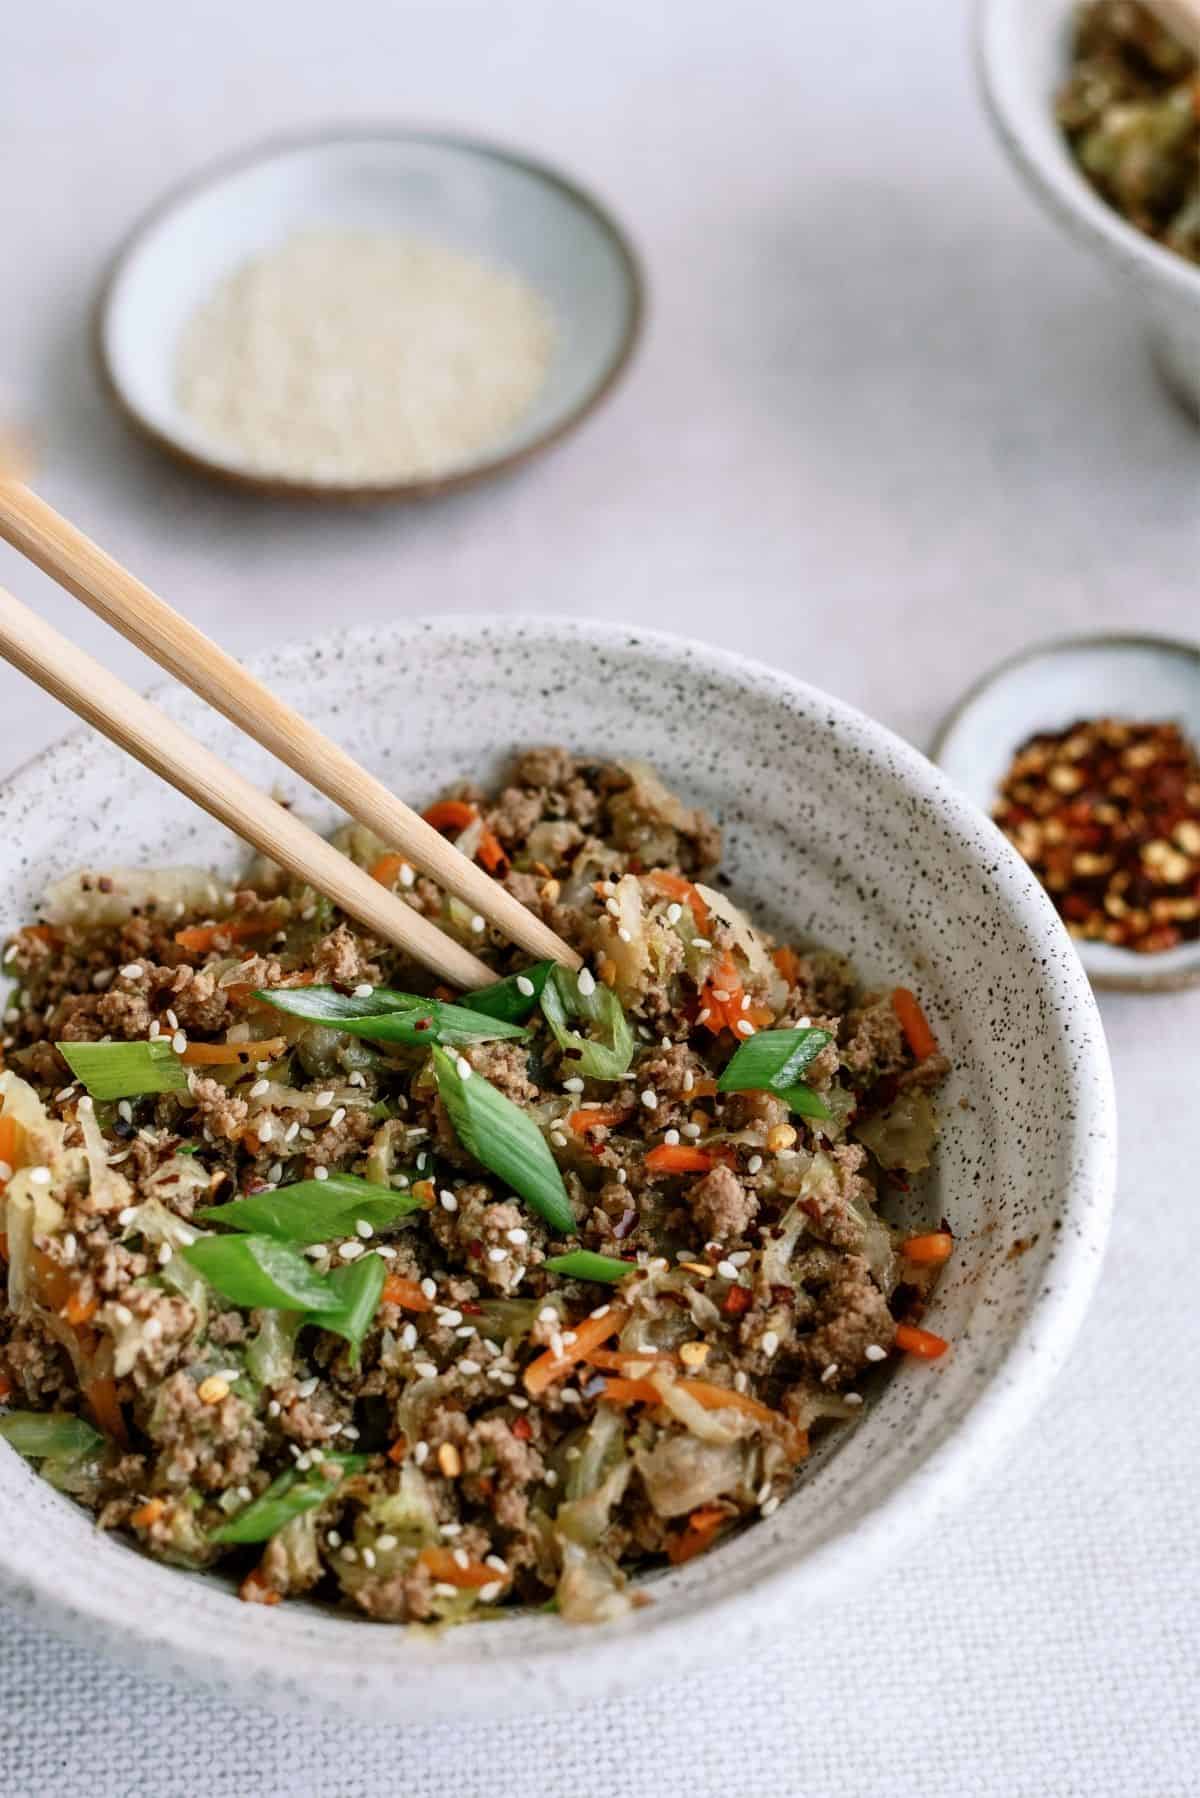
point(512, 998)
point(285, 1498)
point(257, 1270)
point(582, 1264)
point(314, 1210)
point(125, 1070)
point(388, 1017)
point(358, 1286)
point(772, 1061)
point(40, 1434)
point(503, 1138)
point(607, 1053)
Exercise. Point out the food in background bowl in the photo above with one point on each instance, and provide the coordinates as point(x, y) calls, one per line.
point(1131, 111)
point(431, 1302)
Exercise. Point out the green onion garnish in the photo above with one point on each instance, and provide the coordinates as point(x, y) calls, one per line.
point(389, 1017)
point(772, 1061)
point(257, 1270)
point(605, 1054)
point(513, 998)
point(314, 1210)
point(285, 1498)
point(357, 1287)
point(43, 1434)
point(582, 1264)
point(503, 1138)
point(125, 1070)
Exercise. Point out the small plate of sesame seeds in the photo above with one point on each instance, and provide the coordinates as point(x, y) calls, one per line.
point(1084, 751)
point(371, 314)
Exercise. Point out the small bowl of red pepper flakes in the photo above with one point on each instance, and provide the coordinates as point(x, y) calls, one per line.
point(1081, 751)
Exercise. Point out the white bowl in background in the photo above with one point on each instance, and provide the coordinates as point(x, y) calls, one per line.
point(1023, 55)
point(475, 198)
point(836, 831)
point(1047, 688)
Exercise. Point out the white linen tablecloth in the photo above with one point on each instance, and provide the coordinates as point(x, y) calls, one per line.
point(886, 426)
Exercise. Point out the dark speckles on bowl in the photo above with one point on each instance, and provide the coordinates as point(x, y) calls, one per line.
point(837, 832)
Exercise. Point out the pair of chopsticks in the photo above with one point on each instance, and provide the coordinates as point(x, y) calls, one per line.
point(135, 725)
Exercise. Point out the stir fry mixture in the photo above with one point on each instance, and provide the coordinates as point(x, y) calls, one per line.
point(1107, 814)
point(1131, 112)
point(430, 1302)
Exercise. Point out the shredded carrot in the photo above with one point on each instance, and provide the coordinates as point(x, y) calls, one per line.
point(44, 933)
point(914, 1023)
point(589, 1334)
point(729, 1012)
point(10, 1144)
point(702, 1526)
point(678, 1158)
point(491, 852)
point(101, 1396)
point(440, 1562)
point(450, 814)
point(623, 1391)
point(233, 1055)
point(611, 1116)
point(398, 1290)
point(922, 1343)
point(387, 868)
point(423, 1192)
point(148, 1513)
point(704, 1088)
point(197, 939)
point(54, 1284)
point(398, 1451)
point(937, 1246)
point(674, 886)
point(788, 963)
point(621, 1360)
point(79, 1311)
point(5, 1389)
point(255, 1590)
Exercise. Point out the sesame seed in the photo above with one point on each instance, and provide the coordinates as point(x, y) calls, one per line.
point(364, 1229)
point(570, 1396)
point(292, 1131)
point(421, 1453)
point(447, 1200)
point(525, 986)
point(425, 1369)
point(337, 1117)
point(357, 1078)
point(350, 1251)
point(517, 1235)
point(463, 1067)
point(443, 1589)
point(702, 1017)
point(273, 1407)
point(408, 1336)
point(467, 1366)
point(478, 924)
point(368, 1557)
point(691, 1131)
point(101, 978)
point(650, 1099)
point(727, 1270)
point(6, 1173)
point(740, 1258)
point(265, 1128)
point(349, 1432)
point(407, 876)
point(40, 1176)
point(334, 1539)
point(123, 1315)
point(386, 1542)
point(600, 1311)
point(497, 1255)
point(624, 934)
point(754, 1165)
point(769, 1508)
point(496, 1563)
point(179, 1041)
point(132, 971)
point(828, 1373)
point(364, 991)
point(744, 1027)
point(770, 1343)
point(586, 982)
point(741, 1380)
point(547, 1315)
point(460, 1557)
point(556, 1344)
point(172, 1020)
point(320, 1173)
point(573, 1085)
point(674, 912)
point(315, 1250)
point(671, 1136)
point(873, 1352)
point(322, 1099)
point(622, 1176)
point(388, 1253)
point(259, 1088)
point(852, 1398)
point(701, 942)
point(68, 1092)
point(720, 995)
point(612, 907)
point(491, 1591)
point(349, 1554)
point(428, 1287)
point(306, 1388)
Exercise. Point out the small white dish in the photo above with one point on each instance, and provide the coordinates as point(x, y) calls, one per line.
point(1047, 688)
point(1023, 53)
point(835, 830)
point(477, 199)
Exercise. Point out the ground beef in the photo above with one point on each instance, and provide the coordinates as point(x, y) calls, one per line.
point(873, 1044)
point(343, 959)
point(721, 1206)
point(545, 767)
point(851, 1316)
point(515, 814)
point(505, 1065)
point(220, 1111)
point(206, 1445)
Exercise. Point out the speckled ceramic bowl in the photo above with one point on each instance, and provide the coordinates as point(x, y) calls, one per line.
point(836, 831)
point(1023, 52)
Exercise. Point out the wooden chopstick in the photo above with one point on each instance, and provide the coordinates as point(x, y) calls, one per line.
point(130, 721)
point(117, 596)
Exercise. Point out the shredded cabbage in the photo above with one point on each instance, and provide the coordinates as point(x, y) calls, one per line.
point(902, 1136)
point(77, 898)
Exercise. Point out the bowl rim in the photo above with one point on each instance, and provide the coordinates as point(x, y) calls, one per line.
point(1054, 179)
point(606, 1659)
point(1137, 978)
point(213, 173)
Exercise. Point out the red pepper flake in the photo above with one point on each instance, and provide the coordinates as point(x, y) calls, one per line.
point(737, 1301)
point(1107, 814)
point(521, 1428)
